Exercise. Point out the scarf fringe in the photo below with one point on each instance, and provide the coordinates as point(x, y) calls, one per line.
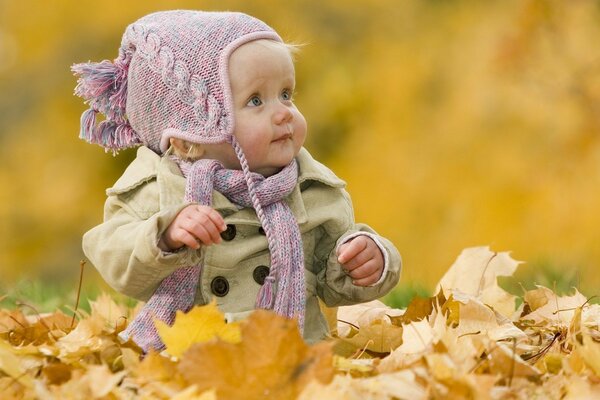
point(266, 296)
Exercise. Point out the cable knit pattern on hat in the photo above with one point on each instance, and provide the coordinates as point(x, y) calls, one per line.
point(177, 291)
point(179, 73)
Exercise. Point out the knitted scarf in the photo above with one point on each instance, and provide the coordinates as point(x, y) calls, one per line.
point(283, 290)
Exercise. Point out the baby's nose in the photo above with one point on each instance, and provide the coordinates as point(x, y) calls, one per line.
point(282, 114)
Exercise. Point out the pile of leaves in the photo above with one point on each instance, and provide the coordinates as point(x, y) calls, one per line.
point(468, 341)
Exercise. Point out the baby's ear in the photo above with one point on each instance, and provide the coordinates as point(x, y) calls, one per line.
point(186, 150)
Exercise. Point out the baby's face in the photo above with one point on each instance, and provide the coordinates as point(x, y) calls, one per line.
point(268, 126)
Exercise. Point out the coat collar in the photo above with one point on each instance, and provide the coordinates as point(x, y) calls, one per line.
point(148, 166)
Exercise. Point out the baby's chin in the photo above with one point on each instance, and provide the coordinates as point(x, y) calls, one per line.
point(270, 170)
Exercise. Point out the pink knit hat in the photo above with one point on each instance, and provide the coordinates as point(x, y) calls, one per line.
point(169, 80)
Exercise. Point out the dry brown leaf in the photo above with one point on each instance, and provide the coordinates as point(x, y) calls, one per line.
point(361, 315)
point(57, 373)
point(85, 338)
point(114, 314)
point(580, 388)
point(477, 318)
point(380, 337)
point(11, 320)
point(475, 273)
point(553, 309)
point(271, 360)
point(11, 365)
point(591, 354)
point(397, 385)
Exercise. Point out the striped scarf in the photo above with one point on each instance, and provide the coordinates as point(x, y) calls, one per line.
point(284, 288)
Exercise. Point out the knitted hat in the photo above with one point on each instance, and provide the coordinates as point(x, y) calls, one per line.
point(169, 80)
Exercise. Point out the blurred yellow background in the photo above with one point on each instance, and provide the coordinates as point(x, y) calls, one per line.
point(455, 123)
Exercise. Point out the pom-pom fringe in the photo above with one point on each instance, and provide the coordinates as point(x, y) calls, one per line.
point(103, 86)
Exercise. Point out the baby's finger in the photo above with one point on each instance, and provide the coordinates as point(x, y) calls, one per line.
point(207, 235)
point(217, 219)
point(189, 240)
point(357, 261)
point(350, 249)
point(201, 223)
point(367, 269)
point(369, 280)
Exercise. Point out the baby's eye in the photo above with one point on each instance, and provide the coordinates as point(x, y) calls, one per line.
point(287, 95)
point(254, 101)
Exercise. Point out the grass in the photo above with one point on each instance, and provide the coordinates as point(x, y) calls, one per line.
point(42, 296)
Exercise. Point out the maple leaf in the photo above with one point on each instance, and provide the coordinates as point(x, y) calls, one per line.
point(477, 318)
point(200, 324)
point(11, 365)
point(86, 337)
point(546, 306)
point(10, 320)
point(475, 272)
point(363, 314)
point(114, 314)
point(591, 354)
point(398, 385)
point(271, 361)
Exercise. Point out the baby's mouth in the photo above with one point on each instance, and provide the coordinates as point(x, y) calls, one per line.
point(287, 135)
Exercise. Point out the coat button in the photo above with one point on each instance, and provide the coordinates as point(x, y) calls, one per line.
point(261, 231)
point(260, 273)
point(219, 286)
point(229, 233)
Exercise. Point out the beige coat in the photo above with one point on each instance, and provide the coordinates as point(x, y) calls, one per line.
point(148, 196)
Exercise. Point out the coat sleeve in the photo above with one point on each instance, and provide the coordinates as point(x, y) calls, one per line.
point(334, 286)
point(124, 248)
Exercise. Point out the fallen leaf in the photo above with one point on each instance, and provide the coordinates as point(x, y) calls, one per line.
point(271, 360)
point(200, 324)
point(416, 337)
point(397, 385)
point(591, 354)
point(477, 318)
point(101, 380)
point(380, 336)
point(556, 309)
point(363, 314)
point(475, 272)
point(106, 308)
point(10, 364)
point(86, 337)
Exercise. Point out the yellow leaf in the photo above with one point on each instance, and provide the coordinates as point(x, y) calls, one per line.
point(101, 380)
point(355, 366)
point(272, 360)
point(192, 393)
point(86, 337)
point(557, 309)
point(110, 311)
point(10, 364)
point(200, 324)
point(380, 336)
point(416, 338)
point(397, 385)
point(362, 315)
point(591, 354)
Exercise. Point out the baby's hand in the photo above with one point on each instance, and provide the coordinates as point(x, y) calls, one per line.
point(362, 259)
point(193, 226)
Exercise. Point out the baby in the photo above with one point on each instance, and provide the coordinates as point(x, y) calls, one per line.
point(222, 201)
